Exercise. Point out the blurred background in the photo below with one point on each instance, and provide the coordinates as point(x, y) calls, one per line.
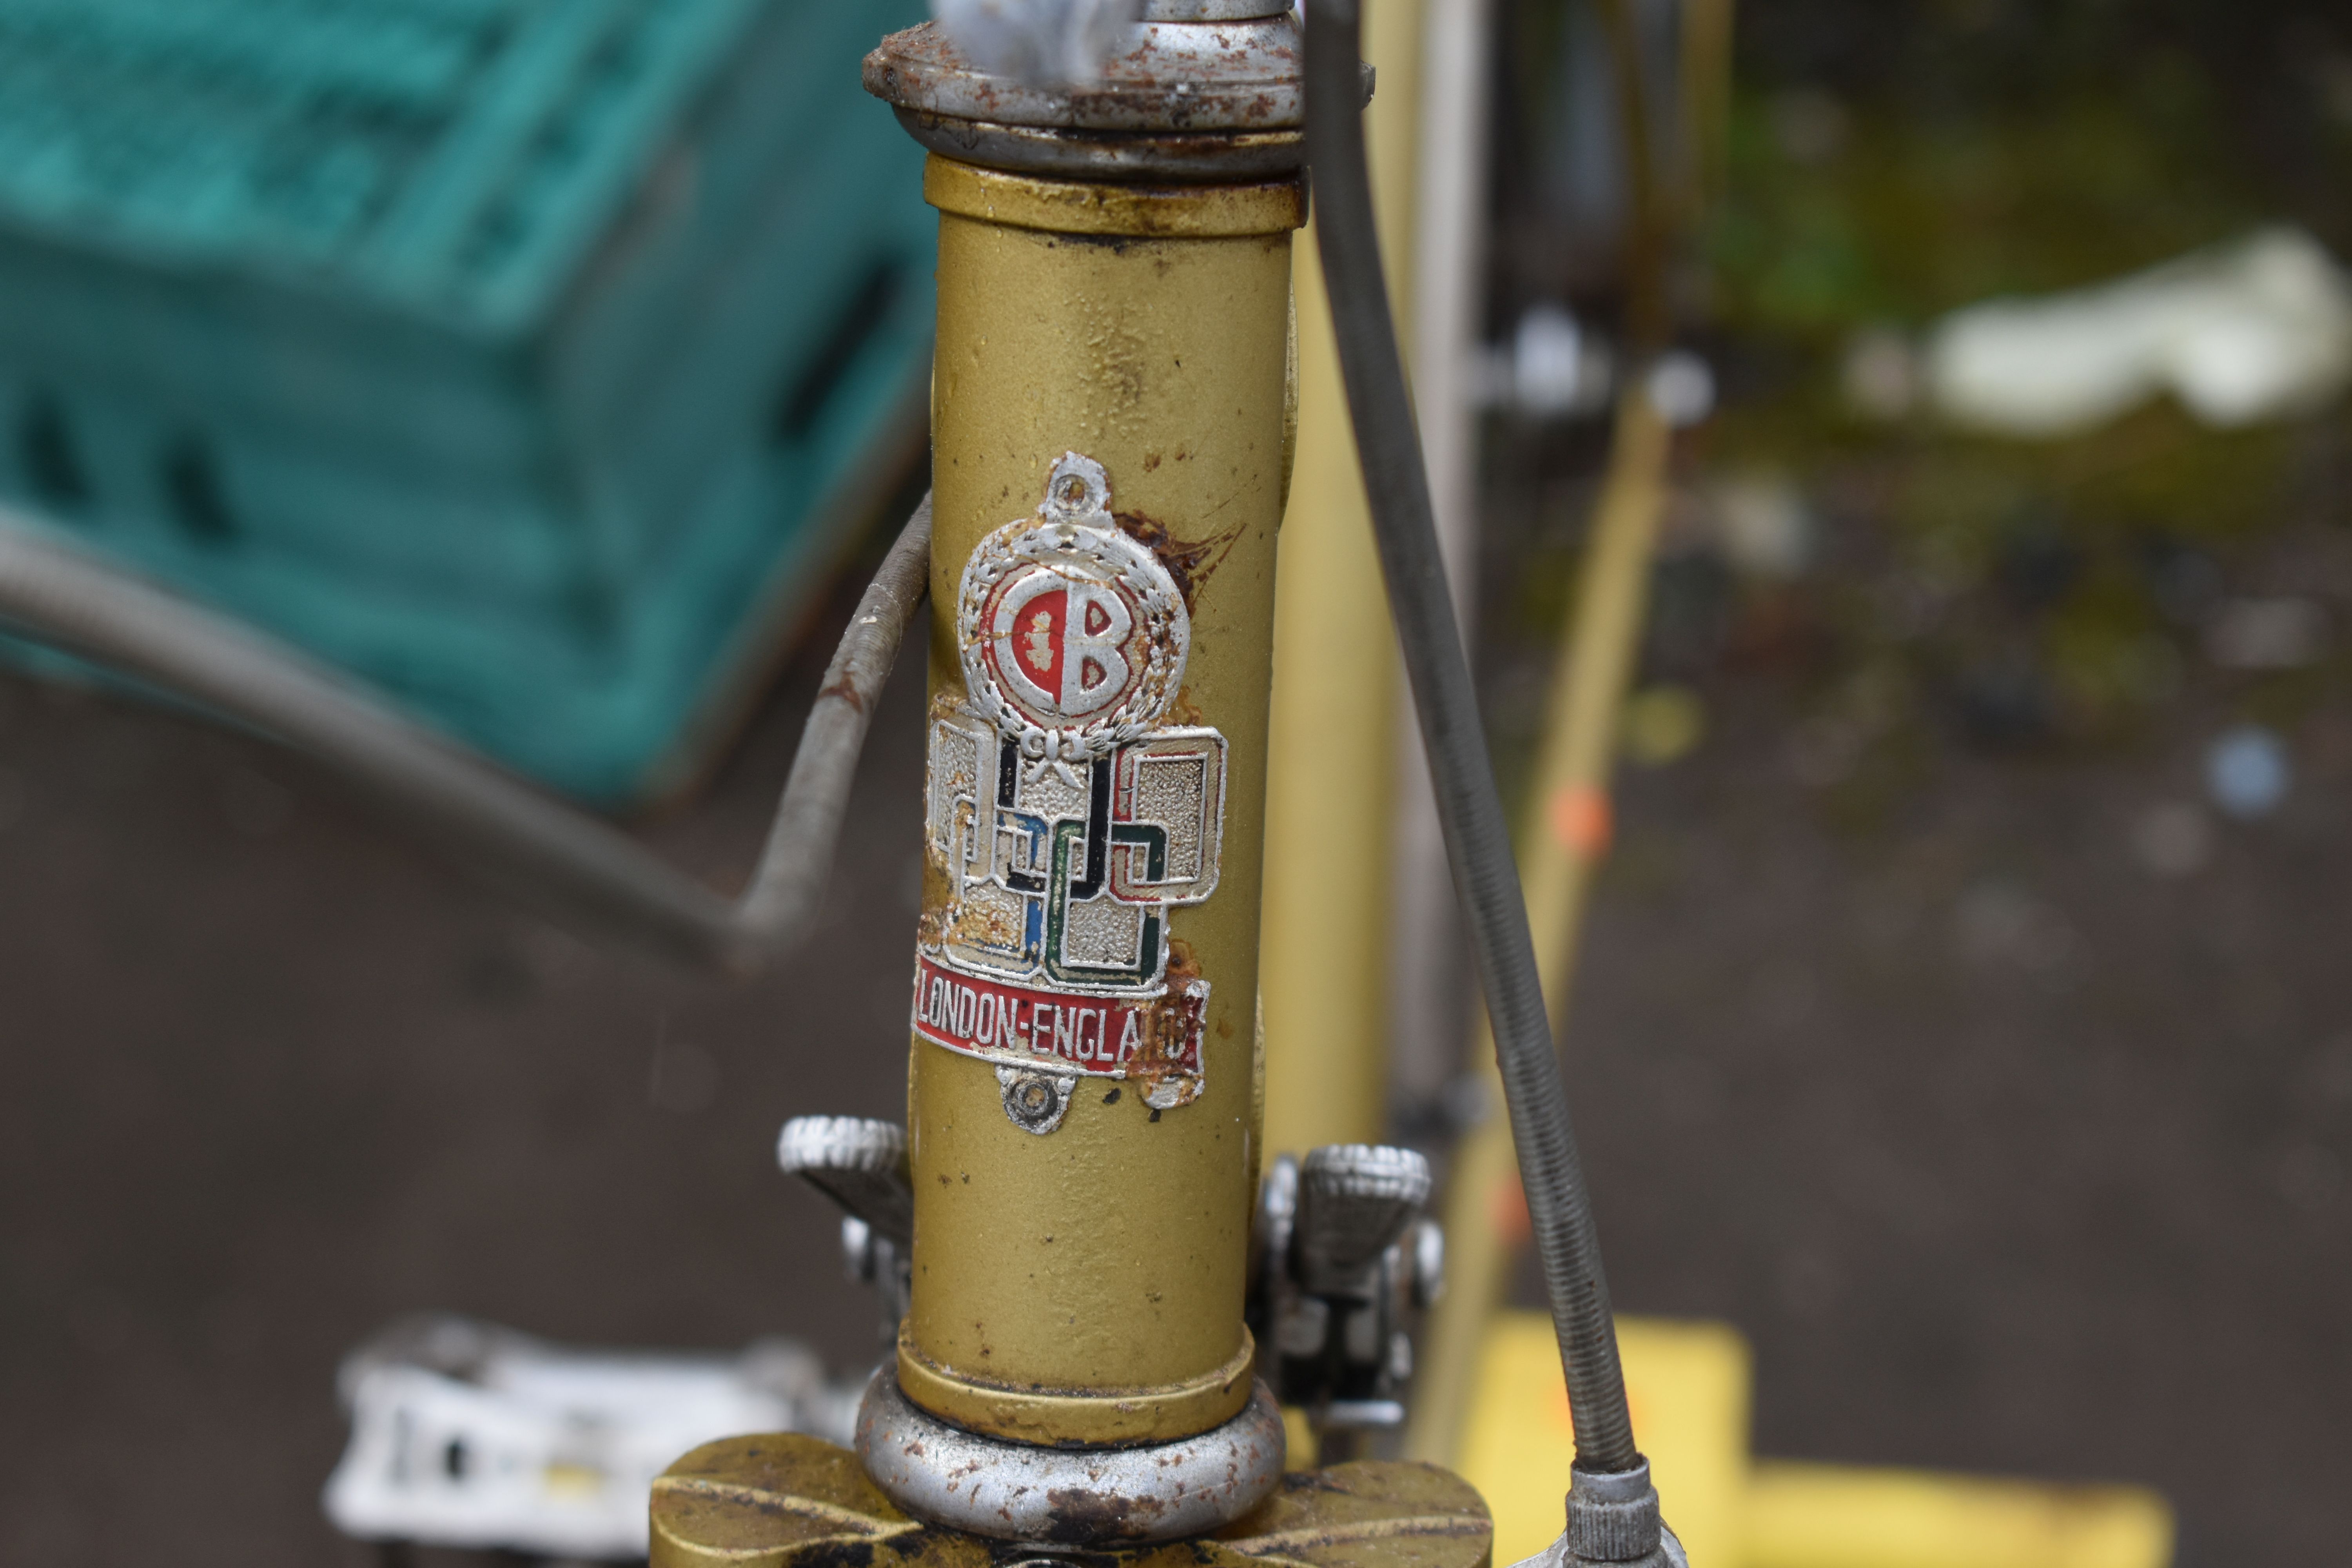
point(1961, 1017)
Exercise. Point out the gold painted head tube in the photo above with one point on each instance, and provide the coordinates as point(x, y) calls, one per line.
point(1108, 451)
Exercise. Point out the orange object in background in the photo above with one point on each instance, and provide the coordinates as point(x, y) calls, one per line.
point(1580, 820)
point(1512, 1224)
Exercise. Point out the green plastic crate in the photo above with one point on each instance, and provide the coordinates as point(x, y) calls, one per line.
point(518, 354)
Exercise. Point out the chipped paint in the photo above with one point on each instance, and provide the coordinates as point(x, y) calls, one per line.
point(1189, 563)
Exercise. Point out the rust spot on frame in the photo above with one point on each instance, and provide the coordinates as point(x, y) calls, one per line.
point(1169, 1022)
point(1189, 563)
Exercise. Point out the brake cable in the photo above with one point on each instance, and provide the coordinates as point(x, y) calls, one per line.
point(548, 852)
point(1478, 842)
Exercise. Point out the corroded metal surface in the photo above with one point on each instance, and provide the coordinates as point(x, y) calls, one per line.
point(1369, 1514)
point(1069, 1497)
point(1177, 76)
point(1204, 94)
point(774, 1497)
point(1085, 1286)
point(1034, 1102)
point(1102, 155)
point(1211, 10)
point(787, 1501)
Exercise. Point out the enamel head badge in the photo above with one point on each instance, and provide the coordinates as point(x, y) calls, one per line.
point(1068, 816)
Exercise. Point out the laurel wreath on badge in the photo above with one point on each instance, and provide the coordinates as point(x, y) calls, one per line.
point(1073, 537)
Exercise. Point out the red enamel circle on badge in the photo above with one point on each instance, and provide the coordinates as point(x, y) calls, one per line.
point(1064, 647)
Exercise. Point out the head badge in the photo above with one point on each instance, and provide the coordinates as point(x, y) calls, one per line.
point(1074, 636)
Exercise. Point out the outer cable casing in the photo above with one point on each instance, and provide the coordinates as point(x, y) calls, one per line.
point(1477, 838)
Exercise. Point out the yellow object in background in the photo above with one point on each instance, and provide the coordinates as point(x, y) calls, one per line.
point(1689, 1385)
point(1299, 1445)
point(1331, 751)
point(1661, 724)
point(1831, 1516)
